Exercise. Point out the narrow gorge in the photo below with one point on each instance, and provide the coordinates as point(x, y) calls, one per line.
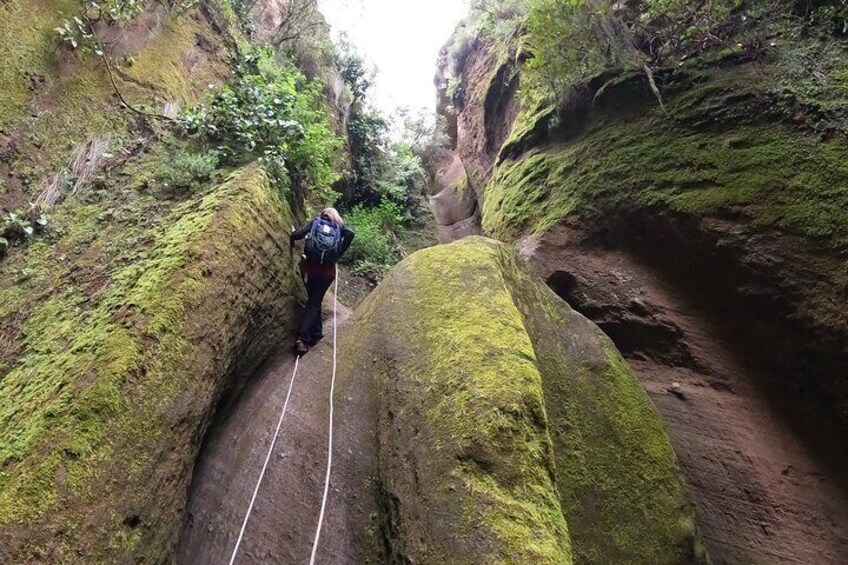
point(630, 346)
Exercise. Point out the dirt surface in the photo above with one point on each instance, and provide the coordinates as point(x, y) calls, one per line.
point(763, 459)
point(284, 519)
point(356, 288)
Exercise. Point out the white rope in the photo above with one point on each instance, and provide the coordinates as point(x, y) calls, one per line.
point(267, 459)
point(330, 443)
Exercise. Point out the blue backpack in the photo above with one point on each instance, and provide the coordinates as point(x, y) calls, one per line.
point(323, 245)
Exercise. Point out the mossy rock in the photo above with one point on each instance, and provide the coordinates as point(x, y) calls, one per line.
point(116, 357)
point(511, 431)
point(758, 139)
point(54, 100)
point(619, 481)
point(748, 159)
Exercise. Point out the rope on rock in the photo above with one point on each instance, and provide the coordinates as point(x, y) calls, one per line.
point(277, 433)
point(330, 442)
point(267, 460)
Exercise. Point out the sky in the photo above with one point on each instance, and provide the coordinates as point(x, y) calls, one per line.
point(402, 38)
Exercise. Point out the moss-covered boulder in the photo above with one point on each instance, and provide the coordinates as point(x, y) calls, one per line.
point(511, 431)
point(118, 340)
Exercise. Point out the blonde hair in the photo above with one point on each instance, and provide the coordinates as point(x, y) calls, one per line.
point(333, 214)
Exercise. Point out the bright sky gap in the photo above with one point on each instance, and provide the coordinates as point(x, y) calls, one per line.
point(402, 38)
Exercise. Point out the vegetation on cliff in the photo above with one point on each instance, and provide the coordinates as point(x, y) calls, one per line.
point(762, 171)
point(572, 41)
point(750, 131)
point(273, 114)
point(721, 110)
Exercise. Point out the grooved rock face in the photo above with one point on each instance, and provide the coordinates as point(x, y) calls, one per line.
point(122, 323)
point(510, 429)
point(763, 456)
point(115, 352)
point(454, 203)
point(734, 199)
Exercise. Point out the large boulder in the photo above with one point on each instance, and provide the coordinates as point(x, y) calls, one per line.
point(510, 429)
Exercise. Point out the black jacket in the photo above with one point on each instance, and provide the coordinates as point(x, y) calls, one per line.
point(347, 236)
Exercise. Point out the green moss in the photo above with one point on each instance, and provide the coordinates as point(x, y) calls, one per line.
point(160, 69)
point(618, 479)
point(73, 93)
point(42, 396)
point(494, 408)
point(763, 172)
point(534, 109)
point(473, 396)
point(740, 138)
point(605, 418)
point(26, 273)
point(228, 13)
point(461, 187)
point(98, 371)
point(509, 392)
point(28, 42)
point(83, 111)
point(524, 194)
point(809, 81)
point(12, 298)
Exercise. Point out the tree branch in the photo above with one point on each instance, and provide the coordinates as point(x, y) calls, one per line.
point(105, 58)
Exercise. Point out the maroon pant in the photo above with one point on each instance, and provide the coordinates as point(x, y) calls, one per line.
point(318, 280)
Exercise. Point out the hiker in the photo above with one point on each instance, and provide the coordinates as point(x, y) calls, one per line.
point(327, 239)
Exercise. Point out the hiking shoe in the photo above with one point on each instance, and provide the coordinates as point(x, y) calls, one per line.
point(300, 348)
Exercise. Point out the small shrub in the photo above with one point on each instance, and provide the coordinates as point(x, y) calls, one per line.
point(355, 71)
point(454, 88)
point(77, 34)
point(374, 250)
point(571, 40)
point(833, 16)
point(18, 227)
point(372, 271)
point(187, 171)
point(500, 20)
